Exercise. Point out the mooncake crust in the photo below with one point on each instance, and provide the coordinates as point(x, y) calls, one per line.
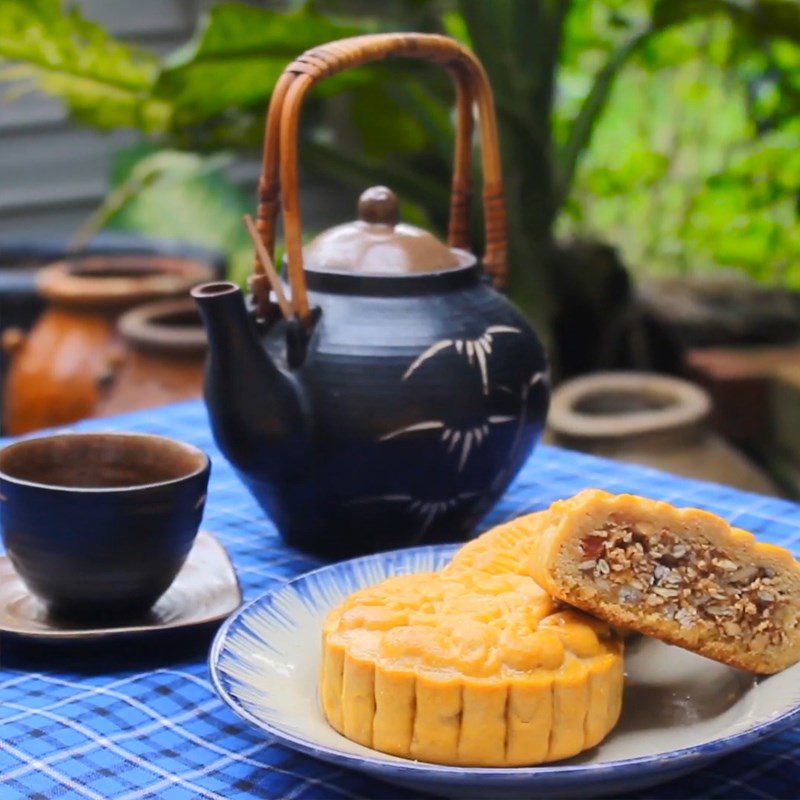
point(469, 670)
point(504, 549)
point(684, 576)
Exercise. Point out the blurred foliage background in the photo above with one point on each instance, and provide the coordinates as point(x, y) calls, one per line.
point(669, 129)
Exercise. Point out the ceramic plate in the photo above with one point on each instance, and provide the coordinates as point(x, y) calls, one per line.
point(205, 591)
point(680, 711)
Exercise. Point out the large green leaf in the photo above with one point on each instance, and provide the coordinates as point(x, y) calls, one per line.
point(178, 196)
point(104, 82)
point(237, 55)
point(188, 197)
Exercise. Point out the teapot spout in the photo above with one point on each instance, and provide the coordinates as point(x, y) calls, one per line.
point(257, 410)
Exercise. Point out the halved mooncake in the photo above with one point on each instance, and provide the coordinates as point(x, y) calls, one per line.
point(472, 670)
point(682, 575)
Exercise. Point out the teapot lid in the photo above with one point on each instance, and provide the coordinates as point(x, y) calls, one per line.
point(377, 244)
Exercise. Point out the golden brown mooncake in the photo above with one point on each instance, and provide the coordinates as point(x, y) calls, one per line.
point(505, 549)
point(471, 670)
point(682, 575)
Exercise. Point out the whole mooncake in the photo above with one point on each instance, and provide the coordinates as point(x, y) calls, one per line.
point(679, 574)
point(504, 549)
point(470, 669)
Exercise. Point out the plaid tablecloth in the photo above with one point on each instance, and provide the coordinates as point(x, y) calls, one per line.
point(142, 721)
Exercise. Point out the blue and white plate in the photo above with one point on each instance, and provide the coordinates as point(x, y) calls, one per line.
point(680, 710)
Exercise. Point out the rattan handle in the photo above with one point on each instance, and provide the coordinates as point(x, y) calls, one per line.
point(279, 179)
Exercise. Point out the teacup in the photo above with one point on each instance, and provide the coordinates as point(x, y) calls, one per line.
point(100, 523)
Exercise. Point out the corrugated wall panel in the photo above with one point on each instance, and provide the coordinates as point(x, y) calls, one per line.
point(53, 171)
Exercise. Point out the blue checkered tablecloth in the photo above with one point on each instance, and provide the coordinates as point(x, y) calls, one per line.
point(142, 721)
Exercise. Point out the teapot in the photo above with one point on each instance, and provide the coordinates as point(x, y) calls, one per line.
point(399, 392)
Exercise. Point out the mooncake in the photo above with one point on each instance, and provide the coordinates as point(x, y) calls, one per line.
point(505, 549)
point(682, 575)
point(469, 669)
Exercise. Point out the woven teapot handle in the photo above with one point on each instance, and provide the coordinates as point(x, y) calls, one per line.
point(281, 138)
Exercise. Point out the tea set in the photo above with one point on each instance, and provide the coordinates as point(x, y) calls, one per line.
point(382, 395)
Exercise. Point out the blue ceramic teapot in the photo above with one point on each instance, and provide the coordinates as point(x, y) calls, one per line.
point(399, 392)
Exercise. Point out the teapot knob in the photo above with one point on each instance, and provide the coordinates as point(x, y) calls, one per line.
point(378, 205)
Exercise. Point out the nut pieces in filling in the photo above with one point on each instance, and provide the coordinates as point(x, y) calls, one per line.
point(688, 583)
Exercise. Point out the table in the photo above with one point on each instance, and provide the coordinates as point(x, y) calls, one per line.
point(144, 722)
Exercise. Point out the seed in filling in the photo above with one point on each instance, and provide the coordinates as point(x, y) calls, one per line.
point(686, 583)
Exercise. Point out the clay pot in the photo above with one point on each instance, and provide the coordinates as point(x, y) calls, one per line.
point(160, 358)
point(652, 420)
point(59, 371)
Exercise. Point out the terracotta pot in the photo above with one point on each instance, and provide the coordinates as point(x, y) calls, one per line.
point(160, 358)
point(21, 259)
point(59, 370)
point(652, 420)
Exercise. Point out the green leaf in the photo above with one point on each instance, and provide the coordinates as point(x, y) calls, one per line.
point(431, 197)
point(181, 196)
point(383, 128)
point(433, 114)
point(104, 82)
point(237, 55)
point(456, 26)
point(591, 109)
point(771, 18)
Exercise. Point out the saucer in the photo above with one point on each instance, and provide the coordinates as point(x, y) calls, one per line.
point(205, 591)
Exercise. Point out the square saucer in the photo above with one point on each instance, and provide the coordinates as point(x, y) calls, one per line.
point(205, 591)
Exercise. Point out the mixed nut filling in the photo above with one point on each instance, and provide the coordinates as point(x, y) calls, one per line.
point(645, 565)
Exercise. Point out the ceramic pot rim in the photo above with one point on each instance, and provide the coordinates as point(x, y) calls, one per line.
point(204, 465)
point(90, 280)
point(685, 405)
point(141, 327)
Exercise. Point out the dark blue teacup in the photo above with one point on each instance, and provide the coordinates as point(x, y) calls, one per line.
point(99, 524)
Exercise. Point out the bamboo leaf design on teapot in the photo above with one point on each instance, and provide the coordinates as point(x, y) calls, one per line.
point(479, 349)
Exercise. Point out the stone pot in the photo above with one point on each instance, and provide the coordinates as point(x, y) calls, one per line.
point(649, 419)
point(59, 371)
